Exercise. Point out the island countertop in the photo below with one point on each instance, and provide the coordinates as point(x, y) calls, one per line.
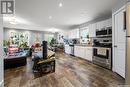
point(84, 45)
point(39, 53)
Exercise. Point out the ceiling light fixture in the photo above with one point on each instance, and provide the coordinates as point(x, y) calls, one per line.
point(53, 30)
point(60, 4)
point(50, 17)
point(13, 21)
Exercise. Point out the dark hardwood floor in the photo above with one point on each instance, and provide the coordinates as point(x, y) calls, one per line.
point(70, 72)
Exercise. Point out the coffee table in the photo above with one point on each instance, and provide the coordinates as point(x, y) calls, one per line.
point(15, 61)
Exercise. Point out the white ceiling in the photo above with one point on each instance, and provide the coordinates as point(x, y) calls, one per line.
point(73, 12)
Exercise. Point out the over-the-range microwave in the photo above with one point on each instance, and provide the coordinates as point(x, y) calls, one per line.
point(104, 32)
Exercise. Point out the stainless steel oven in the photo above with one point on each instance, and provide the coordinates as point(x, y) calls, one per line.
point(103, 57)
point(71, 49)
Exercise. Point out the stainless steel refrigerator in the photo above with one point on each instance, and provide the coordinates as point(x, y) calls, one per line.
point(128, 45)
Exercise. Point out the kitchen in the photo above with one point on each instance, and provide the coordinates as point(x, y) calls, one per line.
point(97, 42)
point(95, 51)
point(89, 39)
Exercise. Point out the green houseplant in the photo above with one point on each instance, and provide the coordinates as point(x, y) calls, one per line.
point(52, 42)
point(6, 43)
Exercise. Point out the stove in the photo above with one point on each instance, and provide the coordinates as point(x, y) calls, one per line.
point(102, 52)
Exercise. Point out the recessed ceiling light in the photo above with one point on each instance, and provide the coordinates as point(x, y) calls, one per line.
point(53, 30)
point(60, 4)
point(50, 17)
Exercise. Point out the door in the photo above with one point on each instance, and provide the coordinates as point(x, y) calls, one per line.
point(119, 43)
point(128, 46)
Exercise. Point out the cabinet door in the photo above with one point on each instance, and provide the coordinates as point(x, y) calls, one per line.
point(79, 51)
point(76, 51)
point(92, 30)
point(89, 53)
point(74, 34)
point(109, 22)
point(77, 33)
point(98, 26)
point(102, 24)
point(83, 52)
point(69, 34)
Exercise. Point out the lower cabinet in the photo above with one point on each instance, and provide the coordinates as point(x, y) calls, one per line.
point(83, 52)
point(67, 49)
point(89, 53)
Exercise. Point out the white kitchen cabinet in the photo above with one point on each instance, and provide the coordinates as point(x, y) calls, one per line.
point(101, 24)
point(67, 49)
point(73, 34)
point(76, 52)
point(83, 52)
point(79, 51)
point(98, 26)
point(108, 22)
point(104, 24)
point(92, 30)
point(88, 53)
point(76, 33)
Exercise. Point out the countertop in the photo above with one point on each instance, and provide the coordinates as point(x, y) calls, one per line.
point(84, 45)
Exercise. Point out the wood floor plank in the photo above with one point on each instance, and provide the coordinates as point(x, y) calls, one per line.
point(70, 72)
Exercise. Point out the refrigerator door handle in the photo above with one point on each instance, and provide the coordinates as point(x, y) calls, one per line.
point(124, 22)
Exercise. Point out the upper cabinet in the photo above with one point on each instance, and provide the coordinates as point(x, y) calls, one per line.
point(73, 34)
point(92, 30)
point(109, 22)
point(104, 24)
point(89, 30)
point(99, 25)
point(76, 33)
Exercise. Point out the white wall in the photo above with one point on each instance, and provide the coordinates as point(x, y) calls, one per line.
point(32, 34)
point(1, 50)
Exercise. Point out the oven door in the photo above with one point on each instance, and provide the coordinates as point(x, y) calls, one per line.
point(101, 52)
point(102, 57)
